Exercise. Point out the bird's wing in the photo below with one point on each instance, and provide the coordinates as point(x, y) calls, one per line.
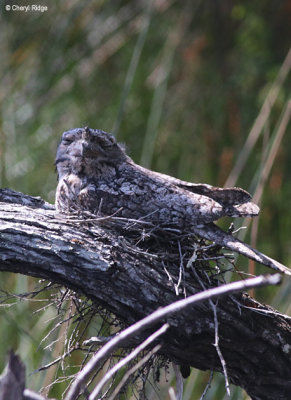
point(235, 201)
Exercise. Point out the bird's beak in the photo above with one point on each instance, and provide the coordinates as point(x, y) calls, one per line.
point(86, 134)
point(88, 150)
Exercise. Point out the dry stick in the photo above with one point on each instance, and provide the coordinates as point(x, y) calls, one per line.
point(260, 121)
point(269, 162)
point(216, 335)
point(285, 117)
point(159, 315)
point(207, 386)
point(132, 370)
point(252, 264)
point(55, 361)
point(286, 114)
point(95, 219)
point(59, 347)
point(126, 359)
point(179, 383)
point(284, 120)
point(172, 393)
point(217, 347)
point(255, 224)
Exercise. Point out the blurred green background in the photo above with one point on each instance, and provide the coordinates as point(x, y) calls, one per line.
point(180, 82)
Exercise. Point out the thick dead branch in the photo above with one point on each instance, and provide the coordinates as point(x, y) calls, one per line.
point(101, 261)
point(154, 318)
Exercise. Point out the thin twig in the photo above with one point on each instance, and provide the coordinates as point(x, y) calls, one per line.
point(181, 271)
point(216, 335)
point(207, 387)
point(96, 219)
point(60, 358)
point(179, 382)
point(125, 360)
point(132, 370)
point(97, 340)
point(217, 347)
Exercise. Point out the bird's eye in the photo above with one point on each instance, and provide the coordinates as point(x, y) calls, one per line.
point(111, 139)
point(68, 138)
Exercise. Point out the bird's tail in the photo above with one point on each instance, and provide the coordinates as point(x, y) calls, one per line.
point(217, 235)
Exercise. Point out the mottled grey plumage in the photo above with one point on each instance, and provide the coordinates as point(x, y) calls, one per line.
point(95, 174)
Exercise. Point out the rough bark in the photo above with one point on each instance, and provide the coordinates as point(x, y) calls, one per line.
point(96, 260)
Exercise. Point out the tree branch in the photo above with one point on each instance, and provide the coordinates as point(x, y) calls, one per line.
point(100, 260)
point(157, 316)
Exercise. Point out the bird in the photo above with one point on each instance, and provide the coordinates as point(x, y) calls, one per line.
point(95, 174)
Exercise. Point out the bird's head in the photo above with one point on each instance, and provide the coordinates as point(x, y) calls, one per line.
point(82, 150)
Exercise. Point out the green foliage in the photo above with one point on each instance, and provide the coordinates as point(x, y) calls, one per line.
point(180, 82)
